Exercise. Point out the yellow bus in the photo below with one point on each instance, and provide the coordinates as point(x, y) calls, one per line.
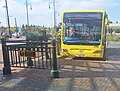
point(90, 29)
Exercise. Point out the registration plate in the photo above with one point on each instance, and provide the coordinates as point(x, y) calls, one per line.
point(80, 55)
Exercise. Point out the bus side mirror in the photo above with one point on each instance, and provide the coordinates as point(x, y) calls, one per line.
point(60, 25)
point(107, 21)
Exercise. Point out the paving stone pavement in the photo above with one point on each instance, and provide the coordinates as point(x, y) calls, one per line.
point(76, 74)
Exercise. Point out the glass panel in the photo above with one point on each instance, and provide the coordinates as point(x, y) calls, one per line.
point(82, 27)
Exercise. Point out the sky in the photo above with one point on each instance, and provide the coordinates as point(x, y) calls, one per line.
point(43, 16)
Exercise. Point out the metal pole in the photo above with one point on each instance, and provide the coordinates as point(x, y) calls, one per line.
point(54, 7)
point(15, 24)
point(27, 15)
point(8, 22)
point(54, 71)
point(7, 67)
point(0, 29)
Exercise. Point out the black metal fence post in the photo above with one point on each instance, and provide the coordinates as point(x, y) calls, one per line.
point(54, 71)
point(58, 47)
point(7, 67)
point(29, 59)
point(46, 51)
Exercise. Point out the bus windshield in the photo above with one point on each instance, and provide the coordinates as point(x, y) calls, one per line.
point(86, 28)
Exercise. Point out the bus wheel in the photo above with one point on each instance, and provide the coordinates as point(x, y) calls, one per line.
point(104, 55)
point(104, 58)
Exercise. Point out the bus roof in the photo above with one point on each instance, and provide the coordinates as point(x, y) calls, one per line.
point(84, 11)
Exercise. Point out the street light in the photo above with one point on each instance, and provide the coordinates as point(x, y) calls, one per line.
point(54, 16)
point(15, 23)
point(15, 20)
point(7, 14)
point(27, 13)
point(54, 11)
point(0, 29)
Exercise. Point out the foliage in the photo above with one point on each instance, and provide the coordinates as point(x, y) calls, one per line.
point(34, 35)
point(116, 30)
point(36, 32)
point(3, 29)
point(113, 38)
point(36, 27)
point(12, 29)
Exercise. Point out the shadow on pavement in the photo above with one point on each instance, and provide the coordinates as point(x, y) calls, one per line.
point(113, 54)
point(26, 80)
point(95, 74)
point(77, 74)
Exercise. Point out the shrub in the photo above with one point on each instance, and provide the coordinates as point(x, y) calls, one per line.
point(36, 36)
point(113, 38)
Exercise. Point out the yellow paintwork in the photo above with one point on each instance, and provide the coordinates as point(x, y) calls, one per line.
point(79, 50)
point(83, 50)
point(64, 11)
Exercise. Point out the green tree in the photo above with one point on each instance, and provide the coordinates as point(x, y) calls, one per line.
point(3, 29)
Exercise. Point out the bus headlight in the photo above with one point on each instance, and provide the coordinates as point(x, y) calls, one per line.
point(98, 51)
point(64, 50)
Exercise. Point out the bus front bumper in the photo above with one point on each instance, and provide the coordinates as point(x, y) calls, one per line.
point(92, 55)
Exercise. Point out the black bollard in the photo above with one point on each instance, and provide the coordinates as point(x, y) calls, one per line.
point(54, 71)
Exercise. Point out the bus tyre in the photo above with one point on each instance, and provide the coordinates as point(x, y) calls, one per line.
point(104, 55)
point(104, 58)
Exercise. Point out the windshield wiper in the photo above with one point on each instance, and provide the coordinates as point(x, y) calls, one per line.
point(80, 43)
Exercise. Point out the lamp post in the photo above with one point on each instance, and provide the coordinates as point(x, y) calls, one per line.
point(54, 12)
point(15, 23)
point(8, 22)
point(27, 13)
point(0, 29)
point(15, 20)
point(54, 7)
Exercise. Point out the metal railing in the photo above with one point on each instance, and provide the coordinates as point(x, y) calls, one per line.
point(29, 54)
